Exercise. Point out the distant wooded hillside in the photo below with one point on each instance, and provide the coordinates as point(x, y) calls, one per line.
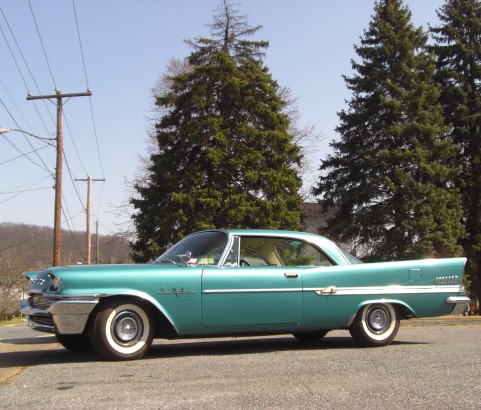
point(32, 247)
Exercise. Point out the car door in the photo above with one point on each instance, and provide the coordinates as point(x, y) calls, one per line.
point(251, 296)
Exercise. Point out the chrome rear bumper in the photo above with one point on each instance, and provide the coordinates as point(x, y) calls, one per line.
point(459, 303)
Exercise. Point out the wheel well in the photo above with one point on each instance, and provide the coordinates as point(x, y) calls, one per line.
point(162, 326)
point(403, 311)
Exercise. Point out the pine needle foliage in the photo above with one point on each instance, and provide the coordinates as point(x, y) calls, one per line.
point(224, 155)
point(458, 66)
point(391, 173)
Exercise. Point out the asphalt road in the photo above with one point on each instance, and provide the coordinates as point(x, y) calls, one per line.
point(429, 366)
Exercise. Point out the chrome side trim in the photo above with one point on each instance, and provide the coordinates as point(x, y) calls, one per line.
point(364, 290)
point(283, 290)
point(385, 290)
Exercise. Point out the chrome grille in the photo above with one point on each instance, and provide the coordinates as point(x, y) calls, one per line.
point(40, 302)
point(42, 320)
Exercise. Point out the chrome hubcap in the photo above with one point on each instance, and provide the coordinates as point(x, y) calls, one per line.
point(127, 328)
point(378, 319)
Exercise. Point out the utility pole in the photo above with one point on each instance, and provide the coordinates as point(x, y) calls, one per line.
point(89, 206)
point(97, 248)
point(58, 171)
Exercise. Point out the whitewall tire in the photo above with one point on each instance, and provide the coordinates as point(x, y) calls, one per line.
point(121, 331)
point(375, 325)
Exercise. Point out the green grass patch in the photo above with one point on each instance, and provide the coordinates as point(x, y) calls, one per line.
point(14, 321)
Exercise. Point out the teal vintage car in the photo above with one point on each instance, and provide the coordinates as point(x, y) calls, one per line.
point(239, 282)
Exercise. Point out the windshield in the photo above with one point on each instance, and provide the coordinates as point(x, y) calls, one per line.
point(203, 248)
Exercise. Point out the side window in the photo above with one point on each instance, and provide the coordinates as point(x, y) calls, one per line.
point(298, 253)
point(250, 257)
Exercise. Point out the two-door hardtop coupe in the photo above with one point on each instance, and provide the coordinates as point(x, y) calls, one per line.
point(239, 282)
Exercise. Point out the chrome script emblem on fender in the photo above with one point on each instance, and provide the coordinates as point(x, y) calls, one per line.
point(175, 291)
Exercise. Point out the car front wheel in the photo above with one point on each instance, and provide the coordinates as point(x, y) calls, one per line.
point(121, 331)
point(375, 325)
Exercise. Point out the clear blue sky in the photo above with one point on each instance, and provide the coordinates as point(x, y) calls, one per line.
point(126, 46)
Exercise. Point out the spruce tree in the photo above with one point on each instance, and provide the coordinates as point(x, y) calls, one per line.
point(390, 176)
point(224, 155)
point(458, 63)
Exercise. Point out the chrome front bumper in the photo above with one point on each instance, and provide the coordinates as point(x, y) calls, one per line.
point(67, 317)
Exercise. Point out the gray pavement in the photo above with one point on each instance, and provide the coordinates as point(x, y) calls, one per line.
point(428, 366)
point(21, 346)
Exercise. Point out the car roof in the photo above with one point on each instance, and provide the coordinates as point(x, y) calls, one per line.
point(272, 233)
point(326, 244)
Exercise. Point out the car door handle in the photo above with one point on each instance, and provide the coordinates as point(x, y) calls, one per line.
point(329, 289)
point(291, 275)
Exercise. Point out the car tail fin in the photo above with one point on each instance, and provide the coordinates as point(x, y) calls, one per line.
point(461, 285)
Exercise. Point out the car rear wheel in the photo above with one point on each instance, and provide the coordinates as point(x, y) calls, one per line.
point(311, 336)
point(121, 331)
point(375, 325)
point(75, 343)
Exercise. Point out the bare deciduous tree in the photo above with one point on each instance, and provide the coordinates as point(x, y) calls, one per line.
point(12, 285)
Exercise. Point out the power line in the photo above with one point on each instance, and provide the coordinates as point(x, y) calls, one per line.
point(47, 230)
point(73, 143)
point(28, 69)
point(72, 179)
point(28, 141)
point(91, 110)
point(80, 43)
point(45, 54)
point(23, 155)
point(37, 181)
point(67, 221)
point(87, 82)
point(41, 42)
point(96, 139)
point(25, 190)
point(13, 47)
point(11, 51)
point(15, 104)
point(45, 168)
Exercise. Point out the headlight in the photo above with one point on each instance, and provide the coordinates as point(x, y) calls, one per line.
point(56, 283)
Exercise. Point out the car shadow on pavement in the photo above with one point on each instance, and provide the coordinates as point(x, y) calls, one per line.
point(25, 352)
point(30, 340)
point(252, 345)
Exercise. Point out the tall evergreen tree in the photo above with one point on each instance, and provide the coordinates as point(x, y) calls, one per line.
point(390, 176)
point(458, 63)
point(225, 157)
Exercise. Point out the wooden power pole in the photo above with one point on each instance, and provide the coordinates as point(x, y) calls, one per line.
point(89, 207)
point(58, 171)
point(97, 247)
